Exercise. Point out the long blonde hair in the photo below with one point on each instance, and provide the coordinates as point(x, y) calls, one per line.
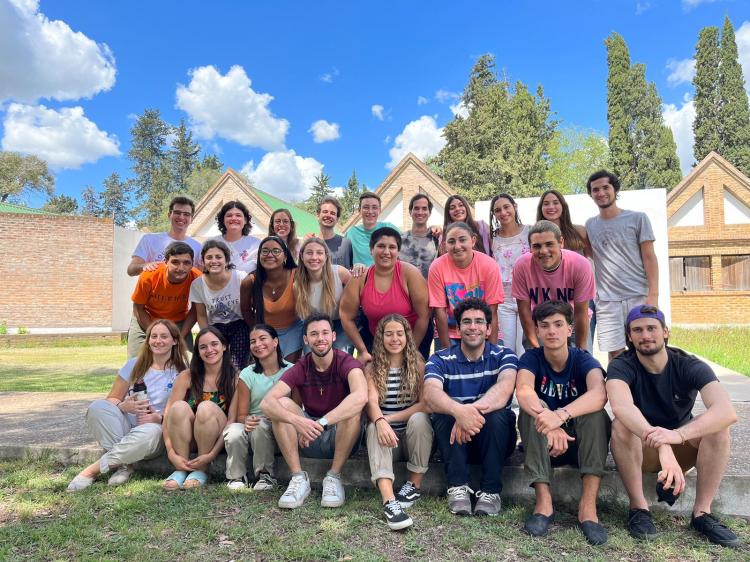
point(302, 284)
point(145, 357)
point(412, 369)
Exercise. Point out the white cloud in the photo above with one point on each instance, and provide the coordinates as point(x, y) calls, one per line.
point(681, 71)
point(742, 36)
point(377, 111)
point(323, 131)
point(688, 5)
point(445, 96)
point(226, 106)
point(641, 7)
point(284, 174)
point(64, 138)
point(421, 100)
point(387, 139)
point(680, 120)
point(422, 137)
point(43, 58)
point(459, 109)
point(329, 76)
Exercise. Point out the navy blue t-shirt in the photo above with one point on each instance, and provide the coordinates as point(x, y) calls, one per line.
point(557, 390)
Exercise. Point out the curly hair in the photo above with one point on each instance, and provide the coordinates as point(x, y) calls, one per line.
point(229, 205)
point(412, 372)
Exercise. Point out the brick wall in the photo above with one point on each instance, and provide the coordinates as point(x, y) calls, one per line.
point(711, 307)
point(56, 271)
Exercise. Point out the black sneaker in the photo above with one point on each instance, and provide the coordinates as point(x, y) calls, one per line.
point(714, 530)
point(408, 494)
point(640, 524)
point(396, 517)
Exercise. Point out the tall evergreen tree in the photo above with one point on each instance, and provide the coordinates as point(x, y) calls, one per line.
point(148, 154)
point(734, 114)
point(61, 204)
point(114, 200)
point(91, 206)
point(350, 200)
point(210, 162)
point(322, 188)
point(183, 156)
point(706, 126)
point(618, 102)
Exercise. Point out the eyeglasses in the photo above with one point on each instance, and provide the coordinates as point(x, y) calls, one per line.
point(282, 221)
point(182, 213)
point(276, 252)
point(470, 321)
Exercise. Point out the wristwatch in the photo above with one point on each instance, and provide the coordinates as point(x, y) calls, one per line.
point(323, 421)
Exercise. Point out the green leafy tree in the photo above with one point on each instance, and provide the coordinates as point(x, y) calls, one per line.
point(322, 188)
point(503, 144)
point(573, 154)
point(22, 175)
point(350, 200)
point(734, 114)
point(200, 181)
point(183, 156)
point(61, 204)
point(114, 200)
point(148, 154)
point(706, 126)
point(91, 204)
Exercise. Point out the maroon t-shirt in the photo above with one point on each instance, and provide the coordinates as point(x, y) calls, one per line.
point(321, 391)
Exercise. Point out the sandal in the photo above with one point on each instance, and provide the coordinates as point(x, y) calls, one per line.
point(196, 476)
point(178, 477)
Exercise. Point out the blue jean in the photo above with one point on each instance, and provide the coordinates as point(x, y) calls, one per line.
point(490, 448)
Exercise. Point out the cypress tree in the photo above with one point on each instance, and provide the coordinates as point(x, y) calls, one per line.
point(734, 114)
point(618, 102)
point(706, 126)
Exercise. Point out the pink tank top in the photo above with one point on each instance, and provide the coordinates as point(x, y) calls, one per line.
point(394, 301)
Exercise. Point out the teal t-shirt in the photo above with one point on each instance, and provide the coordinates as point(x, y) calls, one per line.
point(259, 384)
point(360, 239)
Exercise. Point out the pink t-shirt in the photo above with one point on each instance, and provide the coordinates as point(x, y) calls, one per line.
point(572, 282)
point(448, 285)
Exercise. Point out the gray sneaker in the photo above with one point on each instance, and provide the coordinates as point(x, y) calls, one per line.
point(296, 492)
point(333, 492)
point(265, 482)
point(487, 504)
point(459, 499)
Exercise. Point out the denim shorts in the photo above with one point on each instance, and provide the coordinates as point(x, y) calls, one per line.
point(290, 338)
point(325, 445)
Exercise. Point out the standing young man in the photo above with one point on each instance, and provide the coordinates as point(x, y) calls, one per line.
point(149, 252)
point(627, 273)
point(333, 390)
point(359, 234)
point(652, 390)
point(549, 272)
point(469, 388)
point(419, 245)
point(328, 213)
point(560, 390)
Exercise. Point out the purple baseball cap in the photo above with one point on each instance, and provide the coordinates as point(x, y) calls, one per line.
point(645, 311)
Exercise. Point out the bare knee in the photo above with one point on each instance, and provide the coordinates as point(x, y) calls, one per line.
point(721, 437)
point(181, 410)
point(207, 411)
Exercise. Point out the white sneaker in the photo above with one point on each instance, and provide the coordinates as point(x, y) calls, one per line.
point(296, 492)
point(79, 483)
point(333, 492)
point(265, 482)
point(120, 476)
point(237, 484)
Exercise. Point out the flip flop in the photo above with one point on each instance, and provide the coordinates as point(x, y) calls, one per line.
point(196, 476)
point(177, 476)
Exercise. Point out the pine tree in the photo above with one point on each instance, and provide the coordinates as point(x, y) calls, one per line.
point(148, 153)
point(350, 200)
point(706, 126)
point(114, 199)
point(91, 206)
point(61, 204)
point(183, 156)
point(734, 114)
point(210, 162)
point(322, 188)
point(618, 102)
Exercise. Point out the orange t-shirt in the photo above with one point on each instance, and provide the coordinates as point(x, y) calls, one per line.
point(162, 299)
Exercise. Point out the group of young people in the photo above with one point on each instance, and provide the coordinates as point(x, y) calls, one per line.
point(507, 309)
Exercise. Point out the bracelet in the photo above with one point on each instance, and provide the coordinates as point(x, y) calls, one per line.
point(568, 413)
point(380, 418)
point(559, 416)
point(682, 435)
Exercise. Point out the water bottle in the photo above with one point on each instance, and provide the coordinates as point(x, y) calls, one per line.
point(139, 391)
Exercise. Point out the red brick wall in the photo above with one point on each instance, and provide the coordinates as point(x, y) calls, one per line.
point(711, 307)
point(55, 271)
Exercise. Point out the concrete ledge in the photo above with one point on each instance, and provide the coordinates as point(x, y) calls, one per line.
point(733, 497)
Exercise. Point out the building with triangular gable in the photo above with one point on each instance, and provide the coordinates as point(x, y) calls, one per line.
point(409, 177)
point(708, 216)
point(231, 186)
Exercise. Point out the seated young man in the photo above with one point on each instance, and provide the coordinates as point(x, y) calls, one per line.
point(560, 390)
point(333, 391)
point(652, 389)
point(469, 387)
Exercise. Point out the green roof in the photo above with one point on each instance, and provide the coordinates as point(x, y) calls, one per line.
point(306, 222)
point(18, 209)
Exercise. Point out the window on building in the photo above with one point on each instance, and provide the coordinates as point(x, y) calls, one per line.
point(735, 272)
point(690, 273)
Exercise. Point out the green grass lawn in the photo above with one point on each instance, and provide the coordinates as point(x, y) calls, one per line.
point(725, 346)
point(139, 521)
point(57, 369)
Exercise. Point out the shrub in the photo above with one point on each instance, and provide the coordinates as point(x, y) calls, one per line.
point(23, 330)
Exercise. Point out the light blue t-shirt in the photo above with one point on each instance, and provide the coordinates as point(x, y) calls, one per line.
point(158, 384)
point(360, 239)
point(259, 385)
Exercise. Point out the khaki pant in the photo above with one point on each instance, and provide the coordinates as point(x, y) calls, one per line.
point(414, 445)
point(260, 440)
point(137, 336)
point(124, 442)
point(588, 451)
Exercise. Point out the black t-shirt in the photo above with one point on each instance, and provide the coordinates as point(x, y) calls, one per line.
point(341, 251)
point(665, 399)
point(557, 390)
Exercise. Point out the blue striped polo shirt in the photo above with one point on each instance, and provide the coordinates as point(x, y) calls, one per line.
point(467, 381)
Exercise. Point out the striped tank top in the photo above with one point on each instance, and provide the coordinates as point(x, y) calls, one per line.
point(391, 404)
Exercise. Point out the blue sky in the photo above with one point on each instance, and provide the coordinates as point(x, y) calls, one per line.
point(368, 81)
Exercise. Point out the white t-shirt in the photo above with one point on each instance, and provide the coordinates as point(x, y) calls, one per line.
point(316, 292)
point(222, 306)
point(151, 247)
point(244, 252)
point(158, 385)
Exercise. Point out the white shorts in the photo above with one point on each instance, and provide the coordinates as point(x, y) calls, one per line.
point(610, 322)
